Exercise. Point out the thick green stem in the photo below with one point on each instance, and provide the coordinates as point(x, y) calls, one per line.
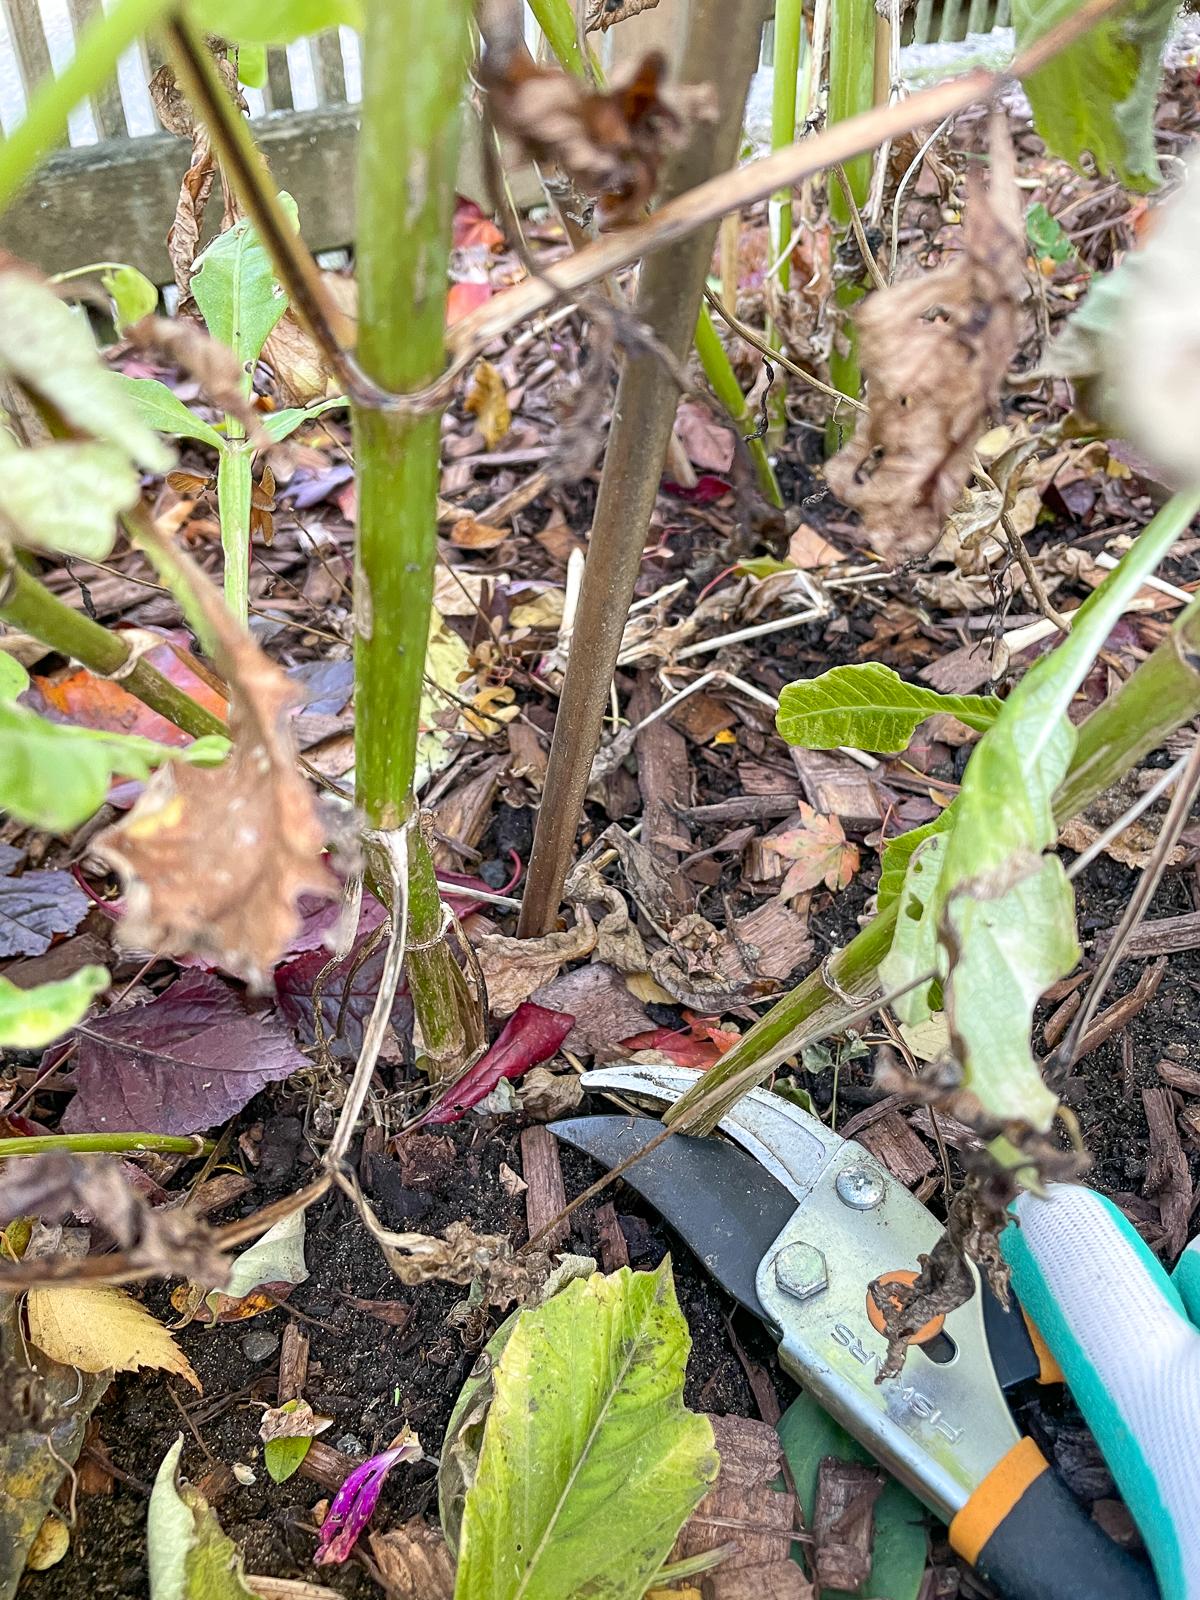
point(851, 93)
point(1161, 696)
point(414, 74)
point(115, 1144)
point(789, 31)
point(29, 606)
point(722, 49)
point(234, 481)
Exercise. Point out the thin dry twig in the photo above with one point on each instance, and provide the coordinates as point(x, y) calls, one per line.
point(856, 225)
point(757, 341)
point(1173, 825)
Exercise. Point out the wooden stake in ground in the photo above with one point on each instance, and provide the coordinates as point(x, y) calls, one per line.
point(722, 49)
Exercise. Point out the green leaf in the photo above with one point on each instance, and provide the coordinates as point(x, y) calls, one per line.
point(31, 1018)
point(252, 65)
point(234, 286)
point(132, 294)
point(763, 567)
point(66, 497)
point(49, 351)
point(54, 776)
point(278, 1257)
point(188, 1555)
point(899, 1548)
point(274, 21)
point(165, 412)
point(14, 680)
point(587, 1435)
point(1046, 235)
point(1129, 350)
point(870, 707)
point(284, 1457)
point(986, 895)
point(279, 424)
point(1098, 96)
point(898, 852)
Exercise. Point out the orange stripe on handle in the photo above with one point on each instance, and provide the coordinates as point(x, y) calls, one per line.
point(995, 1498)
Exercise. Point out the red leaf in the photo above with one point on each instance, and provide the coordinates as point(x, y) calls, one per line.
point(464, 297)
point(531, 1035)
point(184, 1062)
point(471, 227)
point(708, 488)
point(682, 1048)
point(90, 701)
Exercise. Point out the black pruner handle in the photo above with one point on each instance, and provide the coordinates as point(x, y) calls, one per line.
point(1027, 1535)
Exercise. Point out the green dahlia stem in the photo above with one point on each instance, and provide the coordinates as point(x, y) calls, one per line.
point(115, 1144)
point(234, 484)
point(414, 75)
point(28, 605)
point(851, 93)
point(789, 31)
point(1161, 696)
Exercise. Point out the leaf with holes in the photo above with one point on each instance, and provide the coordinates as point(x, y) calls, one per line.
point(587, 1431)
point(985, 903)
point(186, 1061)
point(871, 708)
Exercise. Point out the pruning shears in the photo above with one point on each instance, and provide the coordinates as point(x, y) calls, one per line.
point(796, 1223)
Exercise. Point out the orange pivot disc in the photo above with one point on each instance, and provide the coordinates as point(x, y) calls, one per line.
point(903, 1276)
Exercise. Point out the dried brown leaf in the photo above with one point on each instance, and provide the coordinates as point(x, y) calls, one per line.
point(514, 968)
point(487, 400)
point(296, 359)
point(413, 1562)
point(176, 115)
point(213, 861)
point(610, 144)
point(58, 1185)
point(935, 350)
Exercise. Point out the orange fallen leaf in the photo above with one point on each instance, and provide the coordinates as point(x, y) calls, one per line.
point(819, 852)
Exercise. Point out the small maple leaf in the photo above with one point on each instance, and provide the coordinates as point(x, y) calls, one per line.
point(819, 852)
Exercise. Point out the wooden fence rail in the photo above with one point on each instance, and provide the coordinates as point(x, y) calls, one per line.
point(111, 195)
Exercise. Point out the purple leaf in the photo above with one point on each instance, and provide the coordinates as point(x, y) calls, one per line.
point(532, 1034)
point(36, 906)
point(187, 1061)
point(347, 997)
point(318, 916)
point(357, 1498)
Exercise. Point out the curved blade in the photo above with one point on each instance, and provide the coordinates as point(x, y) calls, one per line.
point(715, 1196)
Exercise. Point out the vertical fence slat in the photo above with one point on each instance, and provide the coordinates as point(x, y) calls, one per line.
point(107, 108)
point(978, 16)
point(279, 80)
point(330, 69)
point(27, 32)
point(923, 24)
point(951, 21)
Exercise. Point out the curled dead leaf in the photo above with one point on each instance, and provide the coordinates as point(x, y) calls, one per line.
point(610, 144)
point(487, 400)
point(57, 1185)
point(214, 861)
point(177, 116)
point(414, 1562)
point(514, 968)
point(935, 350)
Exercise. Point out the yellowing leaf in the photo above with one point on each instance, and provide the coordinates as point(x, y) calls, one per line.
point(50, 1545)
point(488, 401)
point(545, 611)
point(102, 1330)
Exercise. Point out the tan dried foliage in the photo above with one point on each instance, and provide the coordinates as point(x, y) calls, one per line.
point(58, 1185)
point(214, 860)
point(605, 14)
point(935, 350)
point(413, 1562)
point(610, 144)
point(176, 115)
